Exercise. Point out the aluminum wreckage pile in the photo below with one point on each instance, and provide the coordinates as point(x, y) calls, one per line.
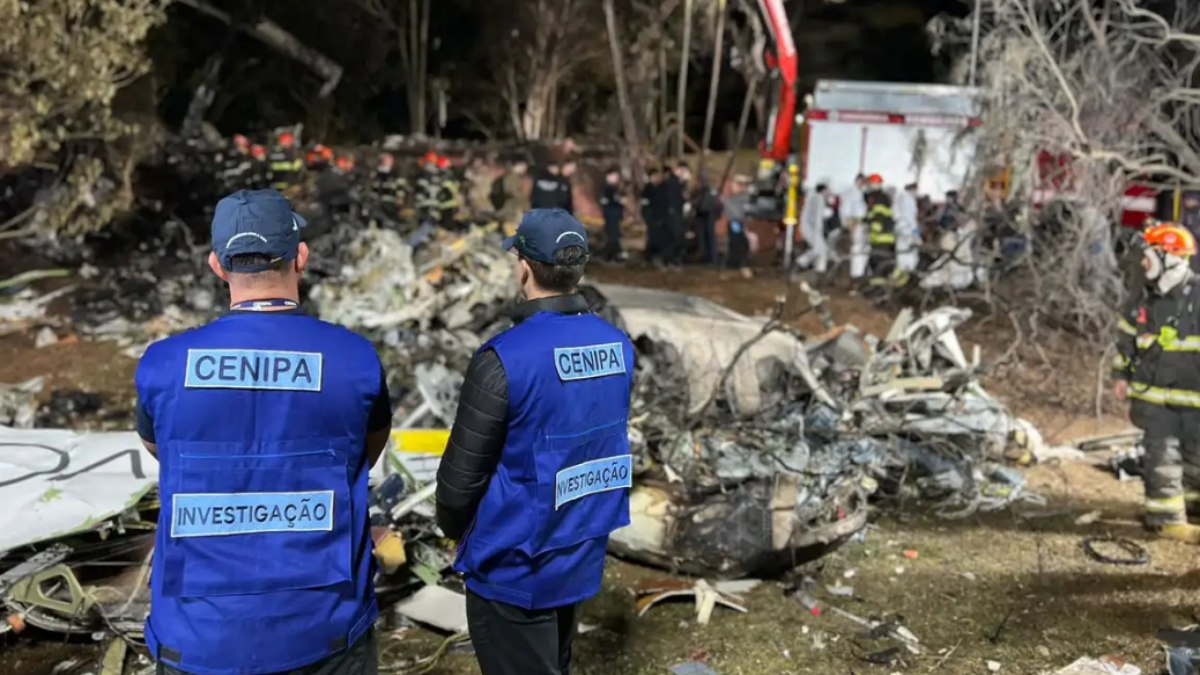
point(755, 447)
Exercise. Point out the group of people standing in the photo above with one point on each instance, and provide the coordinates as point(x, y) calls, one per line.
point(674, 204)
point(884, 229)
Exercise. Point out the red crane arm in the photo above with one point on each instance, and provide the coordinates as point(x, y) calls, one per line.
point(782, 65)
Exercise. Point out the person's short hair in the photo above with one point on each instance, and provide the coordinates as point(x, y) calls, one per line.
point(271, 274)
point(612, 170)
point(653, 170)
point(566, 272)
point(821, 187)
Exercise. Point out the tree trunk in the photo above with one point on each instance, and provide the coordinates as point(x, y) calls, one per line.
point(631, 137)
point(203, 97)
point(715, 84)
point(271, 34)
point(423, 60)
point(681, 102)
point(751, 94)
point(664, 105)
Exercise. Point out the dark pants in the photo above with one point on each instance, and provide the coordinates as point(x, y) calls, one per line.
point(361, 658)
point(1172, 463)
point(655, 239)
point(673, 240)
point(510, 640)
point(612, 235)
point(739, 247)
point(706, 237)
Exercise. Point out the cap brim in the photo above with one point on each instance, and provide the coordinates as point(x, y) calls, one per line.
point(299, 220)
point(509, 243)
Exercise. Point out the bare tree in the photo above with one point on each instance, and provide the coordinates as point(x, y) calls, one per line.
point(408, 20)
point(1082, 99)
point(630, 125)
point(715, 84)
point(538, 46)
point(274, 36)
point(684, 59)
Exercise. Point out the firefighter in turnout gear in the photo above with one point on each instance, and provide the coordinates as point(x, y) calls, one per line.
point(259, 173)
point(383, 185)
point(286, 164)
point(1157, 367)
point(235, 163)
point(449, 193)
point(429, 183)
point(881, 236)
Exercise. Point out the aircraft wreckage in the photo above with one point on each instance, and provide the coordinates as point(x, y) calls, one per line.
point(756, 447)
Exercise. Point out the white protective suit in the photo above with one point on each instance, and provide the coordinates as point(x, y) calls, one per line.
point(908, 231)
point(852, 211)
point(812, 229)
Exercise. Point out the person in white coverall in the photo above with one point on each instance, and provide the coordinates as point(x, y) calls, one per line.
point(852, 210)
point(908, 230)
point(812, 229)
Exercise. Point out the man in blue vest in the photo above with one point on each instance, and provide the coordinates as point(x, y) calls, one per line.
point(265, 423)
point(537, 471)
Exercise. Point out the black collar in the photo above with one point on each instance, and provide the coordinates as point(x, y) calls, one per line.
point(557, 304)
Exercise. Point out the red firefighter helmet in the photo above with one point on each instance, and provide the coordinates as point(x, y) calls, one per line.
point(258, 152)
point(874, 179)
point(286, 139)
point(1170, 238)
point(430, 157)
point(345, 163)
point(241, 142)
point(443, 163)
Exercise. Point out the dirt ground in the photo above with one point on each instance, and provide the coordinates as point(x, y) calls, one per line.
point(1012, 587)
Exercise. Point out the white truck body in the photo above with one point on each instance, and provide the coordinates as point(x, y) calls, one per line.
point(922, 133)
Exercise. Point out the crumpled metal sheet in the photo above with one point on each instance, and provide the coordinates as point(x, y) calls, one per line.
point(18, 403)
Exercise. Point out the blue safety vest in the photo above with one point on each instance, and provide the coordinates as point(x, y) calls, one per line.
point(263, 552)
point(562, 484)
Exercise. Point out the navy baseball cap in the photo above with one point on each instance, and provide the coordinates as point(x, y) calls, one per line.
point(255, 221)
point(544, 232)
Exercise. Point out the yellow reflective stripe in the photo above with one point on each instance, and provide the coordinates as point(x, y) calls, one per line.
point(1164, 396)
point(1120, 362)
point(1188, 344)
point(1165, 504)
point(1192, 495)
point(1126, 327)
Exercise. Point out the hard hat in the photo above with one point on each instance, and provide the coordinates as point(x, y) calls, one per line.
point(443, 163)
point(1171, 238)
point(345, 163)
point(875, 179)
point(326, 153)
point(286, 139)
point(241, 141)
point(258, 151)
point(430, 157)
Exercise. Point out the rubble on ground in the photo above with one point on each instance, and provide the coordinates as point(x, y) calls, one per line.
point(756, 447)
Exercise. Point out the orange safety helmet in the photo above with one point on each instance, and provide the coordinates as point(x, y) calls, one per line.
point(875, 179)
point(286, 139)
point(258, 151)
point(345, 163)
point(1170, 238)
point(430, 157)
